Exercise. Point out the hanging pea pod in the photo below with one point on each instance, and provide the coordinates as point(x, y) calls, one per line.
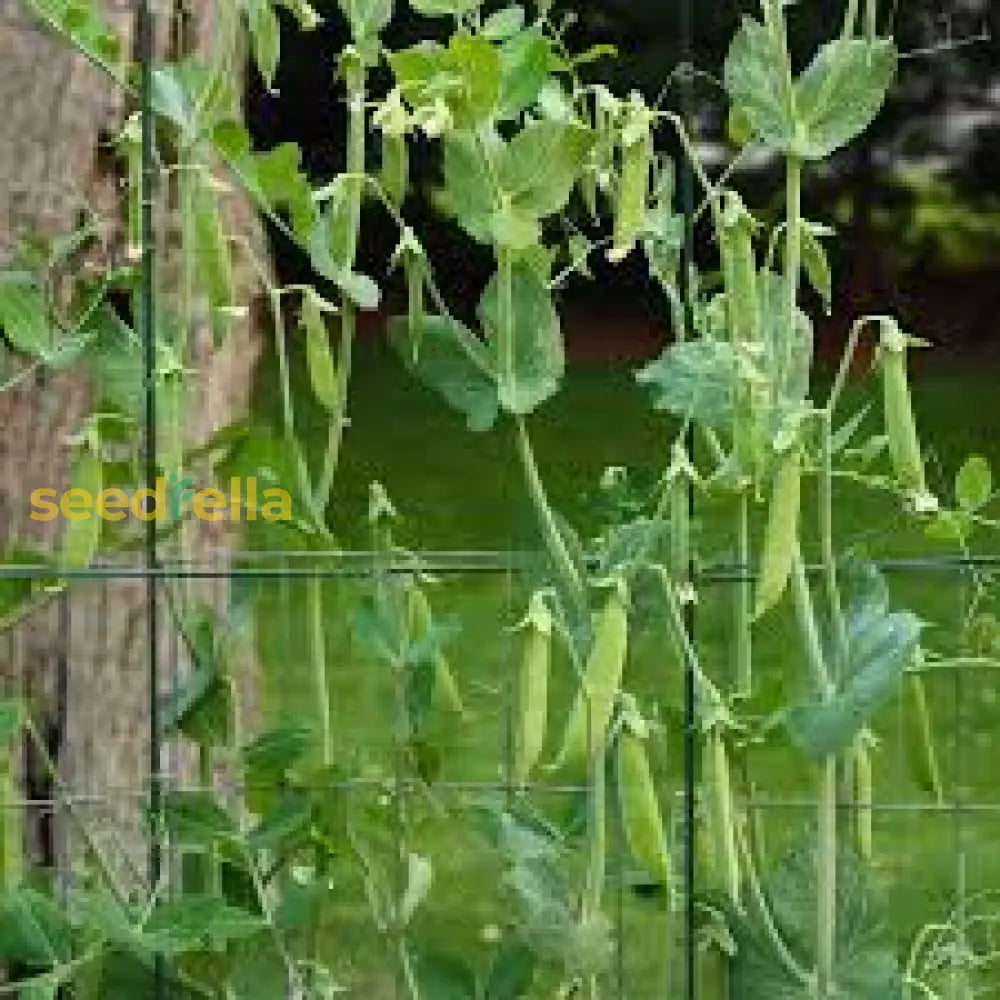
point(919, 735)
point(740, 269)
point(863, 796)
point(415, 267)
point(420, 621)
point(533, 688)
point(211, 250)
point(721, 815)
point(130, 148)
point(590, 715)
point(633, 183)
point(393, 120)
point(323, 373)
point(82, 534)
point(640, 809)
point(900, 424)
point(782, 531)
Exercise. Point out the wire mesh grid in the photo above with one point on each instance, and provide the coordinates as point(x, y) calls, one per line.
point(99, 650)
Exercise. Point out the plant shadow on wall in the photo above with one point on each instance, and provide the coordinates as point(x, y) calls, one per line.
point(375, 841)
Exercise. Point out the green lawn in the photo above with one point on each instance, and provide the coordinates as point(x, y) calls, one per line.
point(458, 490)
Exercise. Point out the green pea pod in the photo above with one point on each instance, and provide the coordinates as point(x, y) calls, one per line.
point(633, 184)
point(721, 816)
point(212, 252)
point(415, 268)
point(782, 532)
point(900, 424)
point(395, 173)
point(919, 735)
point(740, 267)
point(319, 357)
point(640, 809)
point(420, 620)
point(590, 715)
point(863, 794)
point(83, 533)
point(533, 689)
point(11, 832)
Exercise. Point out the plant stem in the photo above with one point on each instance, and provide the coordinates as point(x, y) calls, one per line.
point(317, 650)
point(744, 616)
point(354, 71)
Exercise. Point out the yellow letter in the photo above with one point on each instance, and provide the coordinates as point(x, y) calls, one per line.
point(280, 499)
point(44, 500)
point(209, 504)
point(159, 498)
point(112, 499)
point(75, 504)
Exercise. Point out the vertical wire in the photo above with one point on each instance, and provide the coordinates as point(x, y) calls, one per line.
point(686, 196)
point(144, 33)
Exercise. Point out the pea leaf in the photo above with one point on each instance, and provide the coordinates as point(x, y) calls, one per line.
point(541, 163)
point(526, 63)
point(696, 379)
point(974, 483)
point(367, 18)
point(511, 972)
point(755, 81)
point(195, 818)
point(319, 358)
point(265, 36)
point(196, 923)
point(33, 929)
point(469, 194)
point(537, 357)
point(503, 23)
point(443, 977)
point(880, 645)
point(842, 91)
point(24, 315)
point(453, 363)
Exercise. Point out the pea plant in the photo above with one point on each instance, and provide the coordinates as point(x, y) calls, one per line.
point(545, 170)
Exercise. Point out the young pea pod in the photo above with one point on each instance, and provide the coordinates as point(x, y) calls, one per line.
point(740, 269)
point(640, 809)
point(590, 715)
point(633, 183)
point(420, 620)
point(782, 532)
point(212, 252)
point(863, 795)
point(319, 358)
point(721, 816)
point(900, 424)
point(919, 734)
point(415, 268)
point(11, 832)
point(82, 534)
point(395, 174)
point(533, 689)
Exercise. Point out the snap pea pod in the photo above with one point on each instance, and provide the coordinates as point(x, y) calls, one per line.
point(782, 531)
point(533, 688)
point(640, 808)
point(446, 690)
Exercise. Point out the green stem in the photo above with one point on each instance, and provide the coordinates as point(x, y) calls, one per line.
point(317, 649)
point(355, 77)
point(793, 264)
point(743, 608)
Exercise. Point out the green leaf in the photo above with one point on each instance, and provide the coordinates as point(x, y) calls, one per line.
point(755, 81)
point(195, 923)
point(841, 93)
point(880, 645)
point(367, 18)
point(788, 354)
point(514, 228)
point(512, 971)
point(503, 23)
point(866, 967)
point(269, 757)
point(974, 483)
point(284, 826)
point(541, 164)
point(453, 363)
point(469, 194)
point(265, 34)
point(527, 61)
point(443, 8)
point(696, 379)
point(443, 977)
point(538, 355)
point(24, 315)
point(33, 929)
point(195, 818)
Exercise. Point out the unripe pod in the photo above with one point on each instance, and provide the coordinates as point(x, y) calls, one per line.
point(420, 620)
point(721, 816)
point(588, 721)
point(782, 532)
point(533, 689)
point(863, 798)
point(919, 735)
point(81, 538)
point(633, 185)
point(640, 809)
point(900, 424)
point(319, 358)
point(395, 175)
